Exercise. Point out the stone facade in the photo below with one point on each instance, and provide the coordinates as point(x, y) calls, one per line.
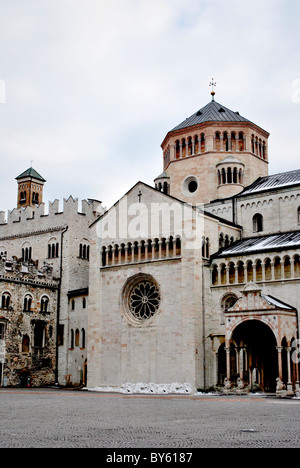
point(60, 238)
point(193, 282)
point(28, 323)
point(197, 335)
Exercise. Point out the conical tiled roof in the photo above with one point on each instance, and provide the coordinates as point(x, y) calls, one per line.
point(31, 173)
point(212, 112)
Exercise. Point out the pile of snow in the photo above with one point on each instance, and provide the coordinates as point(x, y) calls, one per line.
point(150, 389)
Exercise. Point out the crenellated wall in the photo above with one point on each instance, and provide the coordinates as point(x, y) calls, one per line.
point(59, 237)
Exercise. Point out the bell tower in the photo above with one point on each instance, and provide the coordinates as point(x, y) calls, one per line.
point(213, 154)
point(30, 188)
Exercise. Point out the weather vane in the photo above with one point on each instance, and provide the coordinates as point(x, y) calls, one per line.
point(213, 84)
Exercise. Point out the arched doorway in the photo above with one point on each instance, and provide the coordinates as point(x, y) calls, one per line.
point(257, 356)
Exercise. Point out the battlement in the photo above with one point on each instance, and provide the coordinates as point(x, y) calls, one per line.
point(23, 220)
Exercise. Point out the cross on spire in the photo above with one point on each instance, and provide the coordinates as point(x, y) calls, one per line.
point(213, 84)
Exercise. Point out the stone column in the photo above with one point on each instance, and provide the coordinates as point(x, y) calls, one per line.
point(241, 362)
point(160, 249)
point(292, 268)
point(173, 152)
point(227, 274)
point(297, 375)
point(113, 255)
point(289, 386)
point(245, 273)
point(282, 268)
point(193, 146)
point(228, 363)
point(236, 277)
point(254, 272)
point(221, 142)
point(263, 271)
point(167, 248)
point(279, 349)
point(174, 247)
point(237, 359)
point(272, 271)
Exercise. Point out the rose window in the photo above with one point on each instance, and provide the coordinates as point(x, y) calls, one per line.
point(144, 300)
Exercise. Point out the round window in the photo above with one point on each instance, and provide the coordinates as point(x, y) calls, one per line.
point(193, 186)
point(190, 186)
point(144, 300)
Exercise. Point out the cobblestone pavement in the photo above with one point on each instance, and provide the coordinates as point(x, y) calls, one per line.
point(56, 418)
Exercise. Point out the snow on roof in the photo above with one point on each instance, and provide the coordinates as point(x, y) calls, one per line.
point(285, 179)
point(260, 244)
point(277, 303)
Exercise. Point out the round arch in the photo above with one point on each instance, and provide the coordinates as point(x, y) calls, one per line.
point(256, 355)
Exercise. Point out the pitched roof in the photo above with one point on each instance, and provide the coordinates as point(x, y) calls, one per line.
point(288, 240)
point(212, 112)
point(273, 182)
point(164, 175)
point(31, 173)
point(277, 302)
point(206, 213)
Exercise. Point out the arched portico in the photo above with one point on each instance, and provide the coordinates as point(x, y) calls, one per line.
point(259, 337)
point(253, 356)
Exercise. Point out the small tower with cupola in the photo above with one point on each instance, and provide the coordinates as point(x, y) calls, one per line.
point(30, 188)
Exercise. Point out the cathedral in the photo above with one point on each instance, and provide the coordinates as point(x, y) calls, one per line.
point(192, 281)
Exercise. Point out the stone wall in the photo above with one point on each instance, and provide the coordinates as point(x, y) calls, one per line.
point(29, 327)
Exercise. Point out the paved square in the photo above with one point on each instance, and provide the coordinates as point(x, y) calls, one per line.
point(50, 418)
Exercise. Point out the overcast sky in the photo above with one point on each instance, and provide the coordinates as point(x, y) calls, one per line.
point(90, 88)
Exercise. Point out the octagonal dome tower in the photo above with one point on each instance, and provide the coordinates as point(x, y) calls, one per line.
point(214, 154)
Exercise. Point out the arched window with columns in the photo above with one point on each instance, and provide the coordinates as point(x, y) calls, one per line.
point(6, 300)
point(227, 302)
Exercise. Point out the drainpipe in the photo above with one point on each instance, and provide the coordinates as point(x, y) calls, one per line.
point(58, 300)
